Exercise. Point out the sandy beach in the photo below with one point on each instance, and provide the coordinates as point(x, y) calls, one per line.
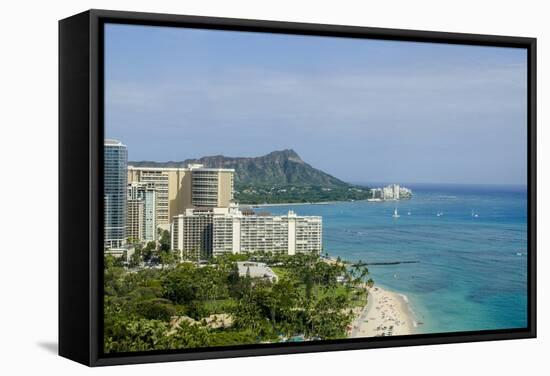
point(386, 314)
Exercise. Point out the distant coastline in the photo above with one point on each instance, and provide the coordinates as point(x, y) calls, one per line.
point(243, 206)
point(292, 204)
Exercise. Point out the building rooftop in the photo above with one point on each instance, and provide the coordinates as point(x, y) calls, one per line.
point(152, 168)
point(256, 270)
point(215, 169)
point(112, 142)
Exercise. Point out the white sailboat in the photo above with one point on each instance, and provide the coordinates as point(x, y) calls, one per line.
point(395, 214)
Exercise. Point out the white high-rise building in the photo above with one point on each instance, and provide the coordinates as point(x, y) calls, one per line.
point(191, 233)
point(218, 231)
point(395, 188)
point(391, 192)
point(387, 193)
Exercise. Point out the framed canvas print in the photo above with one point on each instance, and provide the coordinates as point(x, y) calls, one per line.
point(239, 187)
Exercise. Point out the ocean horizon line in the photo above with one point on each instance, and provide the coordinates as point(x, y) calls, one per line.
point(374, 184)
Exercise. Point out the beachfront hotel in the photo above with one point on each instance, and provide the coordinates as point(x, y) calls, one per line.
point(179, 189)
point(195, 204)
point(204, 232)
point(114, 194)
point(139, 200)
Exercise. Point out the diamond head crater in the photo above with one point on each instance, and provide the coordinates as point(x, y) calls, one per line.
point(276, 178)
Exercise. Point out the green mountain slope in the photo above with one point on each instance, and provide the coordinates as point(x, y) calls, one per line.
point(276, 168)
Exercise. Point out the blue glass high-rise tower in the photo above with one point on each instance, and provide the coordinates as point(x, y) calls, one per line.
point(115, 177)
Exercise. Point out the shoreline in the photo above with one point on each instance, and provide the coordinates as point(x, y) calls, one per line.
point(291, 204)
point(316, 203)
point(387, 313)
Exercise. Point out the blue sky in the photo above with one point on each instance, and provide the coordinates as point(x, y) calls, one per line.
point(362, 110)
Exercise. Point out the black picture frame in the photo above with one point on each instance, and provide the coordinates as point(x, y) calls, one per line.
point(80, 184)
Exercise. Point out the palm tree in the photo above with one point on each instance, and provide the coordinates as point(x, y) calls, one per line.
point(370, 283)
point(364, 272)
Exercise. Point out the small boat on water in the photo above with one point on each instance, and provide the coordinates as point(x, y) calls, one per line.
point(439, 214)
point(395, 213)
point(474, 214)
point(409, 212)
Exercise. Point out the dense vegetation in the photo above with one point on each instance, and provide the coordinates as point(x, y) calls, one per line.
point(256, 195)
point(187, 305)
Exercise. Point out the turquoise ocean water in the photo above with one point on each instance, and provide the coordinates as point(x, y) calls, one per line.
point(470, 270)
